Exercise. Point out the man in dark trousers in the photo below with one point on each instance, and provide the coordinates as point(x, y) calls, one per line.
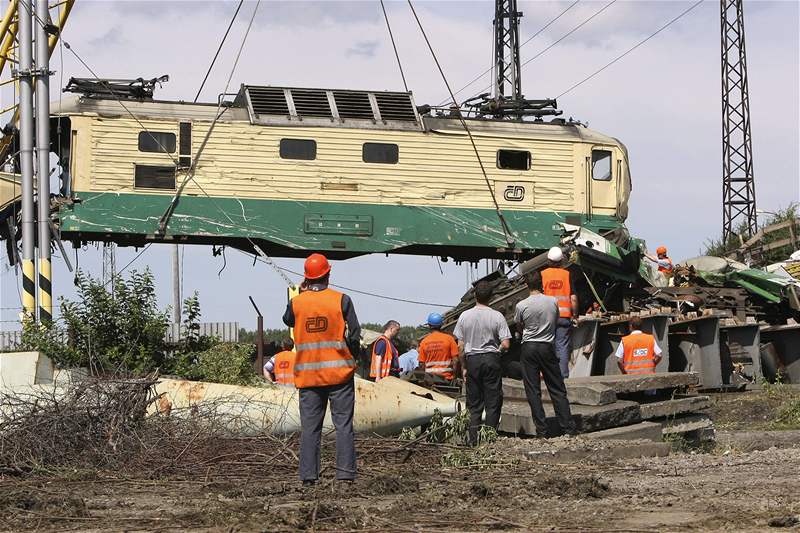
point(482, 333)
point(326, 334)
point(536, 317)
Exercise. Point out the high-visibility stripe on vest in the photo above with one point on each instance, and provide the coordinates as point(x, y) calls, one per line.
point(382, 365)
point(666, 270)
point(284, 368)
point(323, 357)
point(555, 282)
point(437, 350)
point(639, 353)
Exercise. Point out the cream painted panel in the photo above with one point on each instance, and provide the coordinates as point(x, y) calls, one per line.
point(242, 160)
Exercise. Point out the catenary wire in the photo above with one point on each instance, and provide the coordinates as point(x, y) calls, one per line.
point(631, 49)
point(529, 39)
point(357, 291)
point(394, 46)
point(503, 224)
point(219, 49)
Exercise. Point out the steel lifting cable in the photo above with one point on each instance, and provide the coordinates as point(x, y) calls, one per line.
point(394, 46)
point(506, 231)
point(162, 222)
point(219, 49)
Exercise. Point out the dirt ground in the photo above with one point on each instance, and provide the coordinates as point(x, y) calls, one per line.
point(405, 487)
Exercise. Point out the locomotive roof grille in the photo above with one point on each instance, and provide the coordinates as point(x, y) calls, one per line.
point(271, 105)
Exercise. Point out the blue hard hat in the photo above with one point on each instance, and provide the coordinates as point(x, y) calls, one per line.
point(435, 320)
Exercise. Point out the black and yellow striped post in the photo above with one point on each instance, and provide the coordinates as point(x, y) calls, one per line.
point(45, 291)
point(29, 289)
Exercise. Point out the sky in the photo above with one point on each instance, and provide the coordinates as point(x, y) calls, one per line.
point(662, 101)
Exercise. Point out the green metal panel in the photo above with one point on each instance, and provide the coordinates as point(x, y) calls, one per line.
point(353, 227)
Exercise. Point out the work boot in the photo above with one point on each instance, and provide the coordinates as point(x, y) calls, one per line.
point(308, 483)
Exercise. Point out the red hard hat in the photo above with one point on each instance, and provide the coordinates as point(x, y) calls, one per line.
point(661, 250)
point(316, 266)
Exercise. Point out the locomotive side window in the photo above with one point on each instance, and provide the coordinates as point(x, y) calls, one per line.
point(380, 153)
point(601, 165)
point(154, 177)
point(156, 141)
point(305, 149)
point(514, 159)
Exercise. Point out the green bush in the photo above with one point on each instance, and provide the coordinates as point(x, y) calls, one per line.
point(222, 363)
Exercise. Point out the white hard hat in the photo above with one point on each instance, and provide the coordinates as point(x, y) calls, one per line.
point(555, 254)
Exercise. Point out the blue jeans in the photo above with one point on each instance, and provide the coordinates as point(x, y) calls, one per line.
point(564, 344)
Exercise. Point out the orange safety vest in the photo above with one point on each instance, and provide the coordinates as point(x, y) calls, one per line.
point(638, 353)
point(664, 269)
point(381, 365)
point(323, 357)
point(284, 368)
point(555, 282)
point(438, 351)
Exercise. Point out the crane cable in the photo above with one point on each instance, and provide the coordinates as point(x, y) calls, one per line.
point(506, 230)
point(162, 222)
point(394, 46)
point(219, 49)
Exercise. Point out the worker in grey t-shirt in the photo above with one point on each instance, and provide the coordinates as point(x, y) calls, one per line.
point(536, 317)
point(482, 333)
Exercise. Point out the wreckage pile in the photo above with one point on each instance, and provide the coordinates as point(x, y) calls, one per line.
point(656, 407)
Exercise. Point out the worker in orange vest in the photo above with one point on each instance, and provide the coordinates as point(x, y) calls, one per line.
point(327, 335)
point(438, 351)
point(664, 263)
point(557, 282)
point(385, 357)
point(638, 353)
point(280, 367)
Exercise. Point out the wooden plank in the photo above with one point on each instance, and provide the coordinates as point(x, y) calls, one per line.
point(583, 394)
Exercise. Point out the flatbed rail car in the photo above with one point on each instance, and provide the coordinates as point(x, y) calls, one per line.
point(344, 172)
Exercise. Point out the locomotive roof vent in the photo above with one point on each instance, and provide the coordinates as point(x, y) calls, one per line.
point(329, 107)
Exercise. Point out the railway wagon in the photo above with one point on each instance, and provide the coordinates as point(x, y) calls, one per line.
point(340, 171)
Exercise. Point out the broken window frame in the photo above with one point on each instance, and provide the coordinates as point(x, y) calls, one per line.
point(299, 149)
point(157, 142)
point(380, 153)
point(505, 164)
point(599, 155)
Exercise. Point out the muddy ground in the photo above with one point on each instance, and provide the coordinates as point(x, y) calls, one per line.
point(405, 487)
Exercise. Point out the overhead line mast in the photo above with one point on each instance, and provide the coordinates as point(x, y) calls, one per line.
point(508, 102)
point(738, 185)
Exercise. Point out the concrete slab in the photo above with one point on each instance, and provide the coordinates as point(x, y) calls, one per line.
point(695, 429)
point(642, 430)
point(517, 418)
point(636, 383)
point(583, 394)
point(625, 450)
point(25, 369)
point(674, 407)
point(746, 441)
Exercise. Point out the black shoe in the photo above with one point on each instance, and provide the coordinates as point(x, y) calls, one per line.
point(309, 482)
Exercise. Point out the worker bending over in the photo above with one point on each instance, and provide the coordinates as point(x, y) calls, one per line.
point(557, 282)
point(280, 367)
point(385, 358)
point(664, 263)
point(536, 317)
point(482, 334)
point(327, 335)
point(438, 351)
point(638, 353)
